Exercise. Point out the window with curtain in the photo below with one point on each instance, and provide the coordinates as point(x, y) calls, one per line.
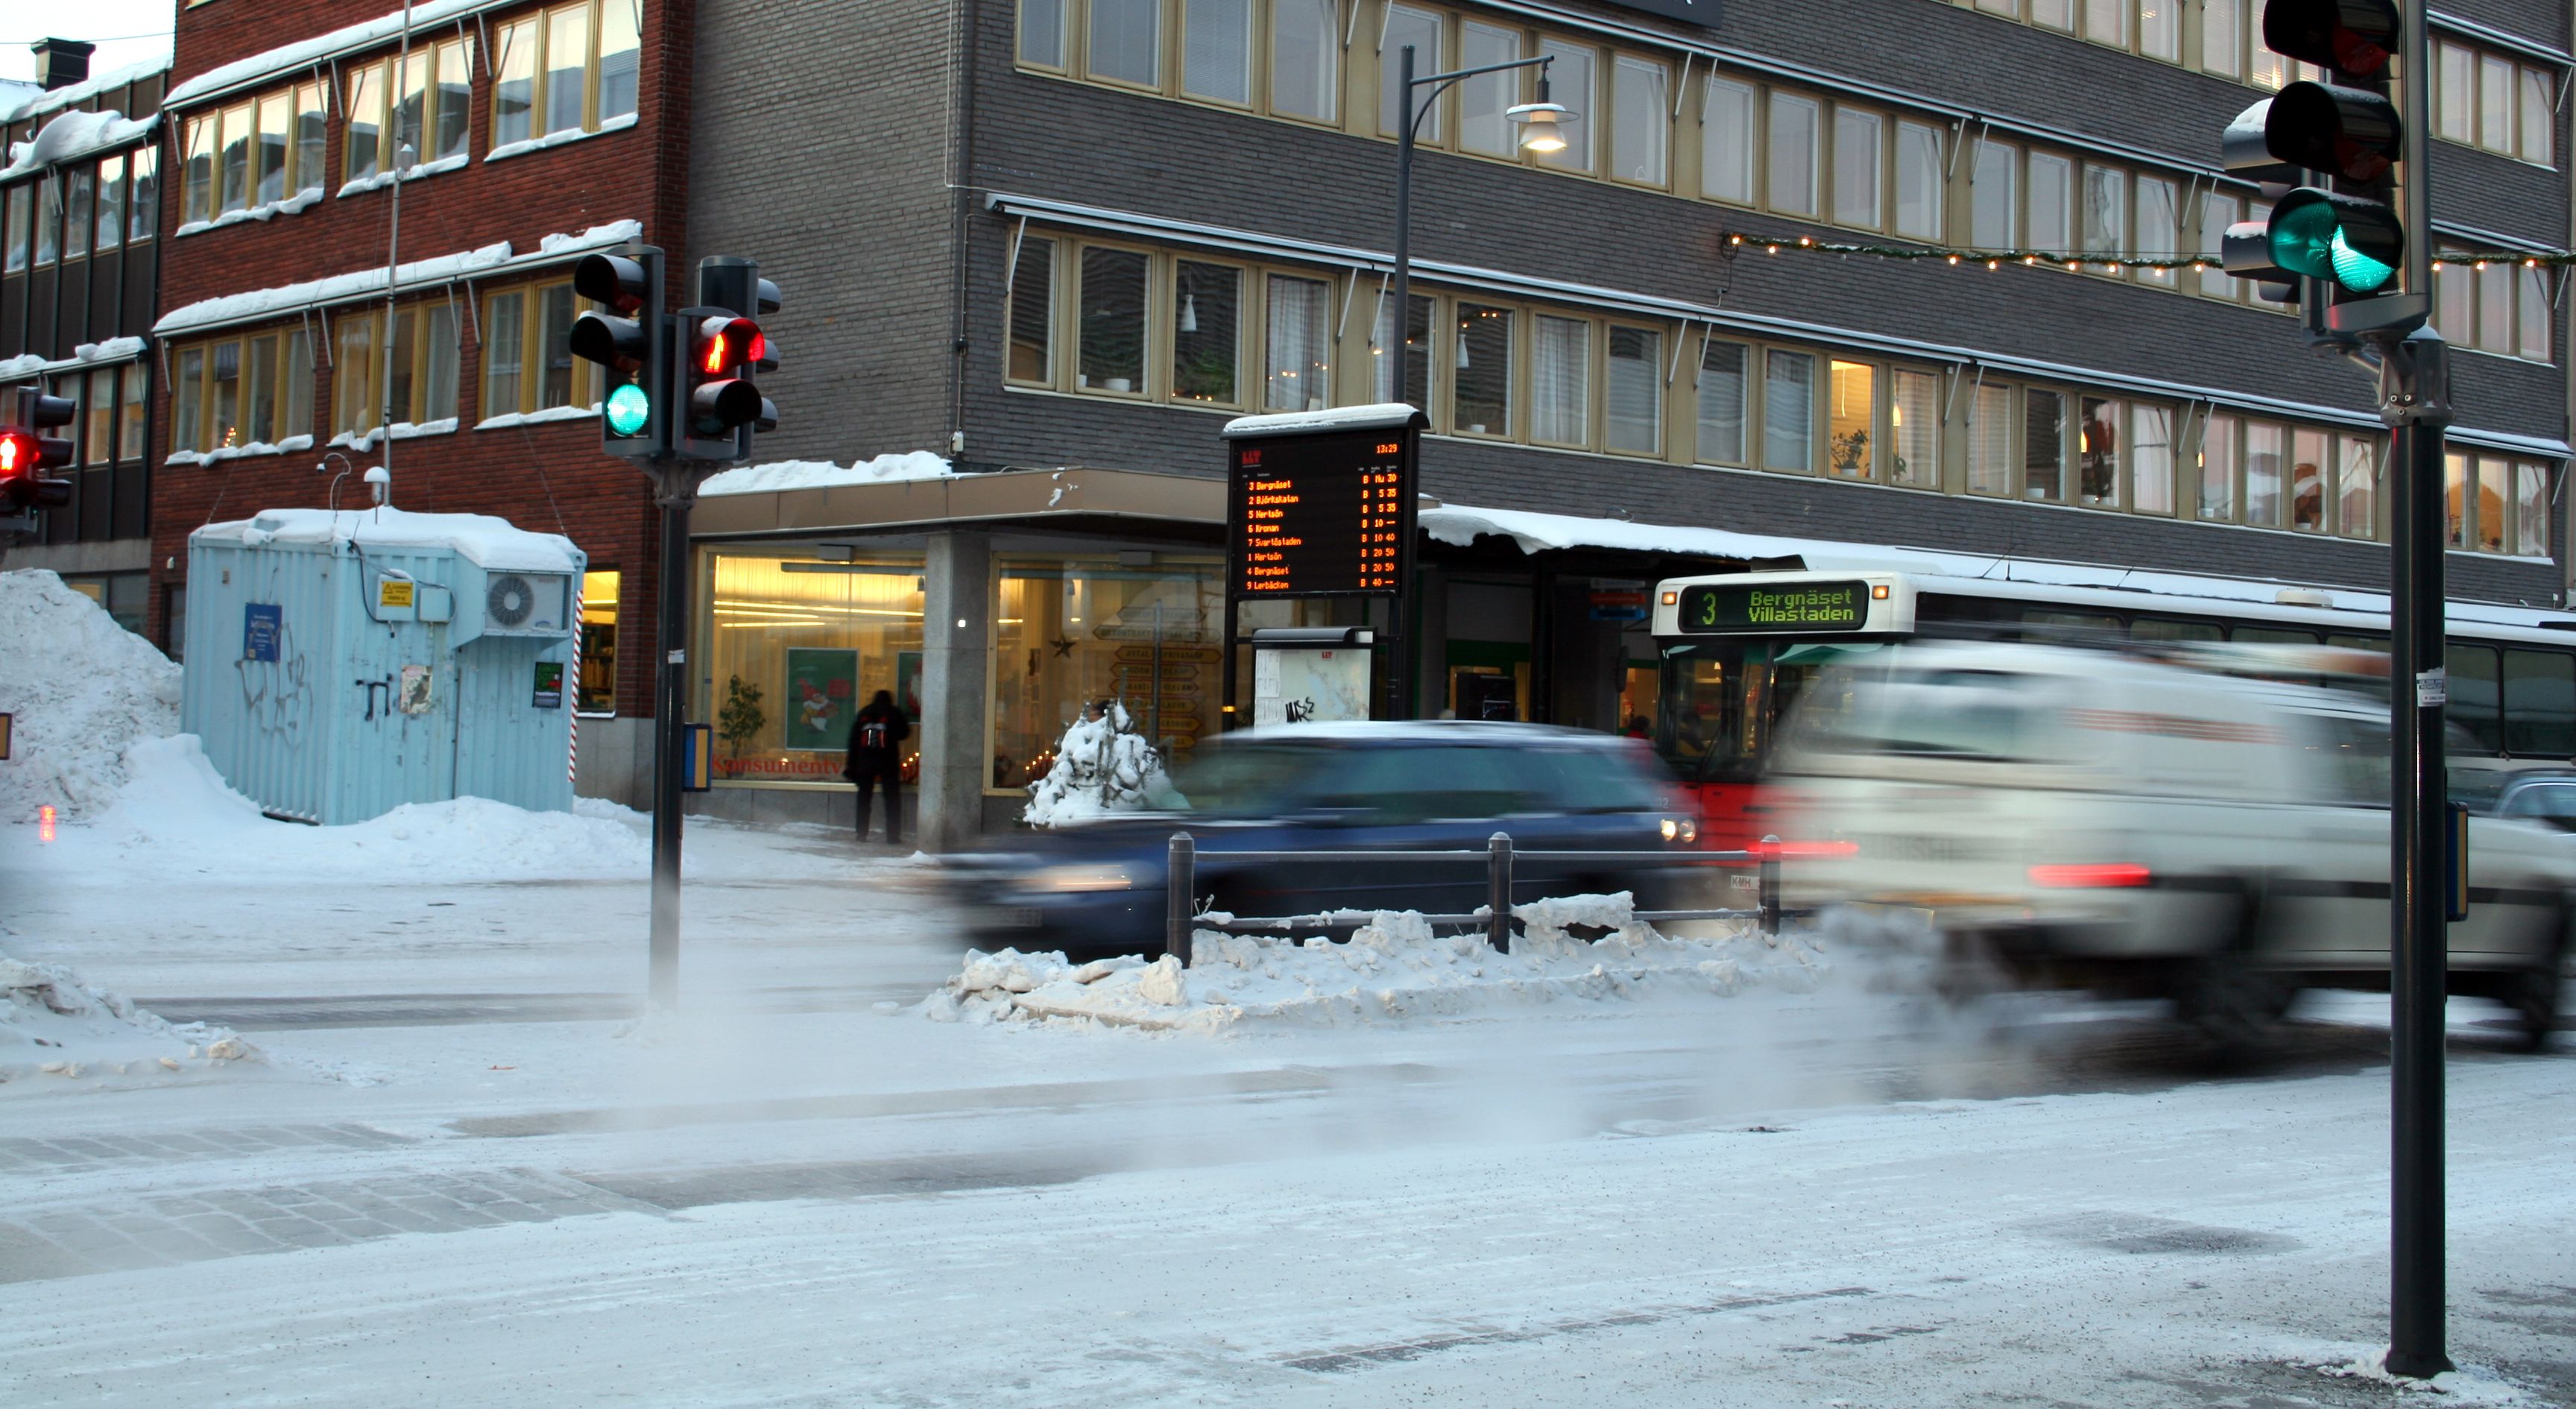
point(1560, 380)
point(2494, 482)
point(1641, 121)
point(1483, 99)
point(1570, 86)
point(2495, 307)
point(2043, 445)
point(2159, 226)
point(1994, 207)
point(2266, 474)
point(187, 401)
point(1033, 312)
point(2455, 499)
point(2357, 486)
point(504, 318)
point(1126, 40)
point(1415, 357)
point(2160, 29)
point(1726, 142)
point(98, 435)
point(2308, 480)
point(2216, 501)
point(1721, 402)
point(1632, 392)
point(1299, 367)
point(1990, 466)
point(2097, 454)
point(1305, 58)
point(2106, 212)
point(2496, 100)
point(1914, 428)
point(263, 389)
point(438, 359)
point(1207, 333)
point(1110, 341)
point(2151, 459)
point(1793, 154)
point(1788, 411)
point(2531, 508)
point(1851, 420)
point(1481, 401)
point(2051, 204)
point(2539, 116)
point(1422, 29)
point(353, 373)
point(2455, 92)
point(137, 395)
point(1918, 180)
point(551, 342)
point(2532, 327)
point(1856, 167)
point(2222, 37)
point(2107, 21)
point(224, 388)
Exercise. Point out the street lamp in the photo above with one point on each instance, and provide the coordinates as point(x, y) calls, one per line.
point(1539, 133)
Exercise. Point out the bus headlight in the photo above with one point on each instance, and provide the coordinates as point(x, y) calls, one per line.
point(1681, 829)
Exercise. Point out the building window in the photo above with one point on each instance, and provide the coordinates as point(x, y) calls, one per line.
point(1088, 629)
point(816, 640)
point(1042, 32)
point(597, 694)
point(1423, 31)
point(255, 154)
point(1560, 380)
point(1918, 181)
point(1216, 60)
point(1856, 167)
point(2531, 509)
point(2308, 480)
point(1641, 121)
point(49, 218)
point(1483, 384)
point(79, 209)
point(187, 401)
point(2106, 212)
point(528, 364)
point(1990, 417)
point(404, 112)
point(98, 431)
point(1721, 402)
point(2159, 226)
point(571, 69)
point(2494, 306)
point(2043, 445)
point(1788, 411)
point(1305, 53)
point(2097, 454)
point(1033, 312)
point(2222, 37)
point(2151, 459)
point(137, 380)
point(1793, 155)
point(1482, 100)
point(2357, 486)
point(1633, 392)
point(143, 203)
point(2489, 101)
point(1914, 429)
point(1570, 85)
point(233, 160)
point(111, 203)
point(1298, 368)
point(1126, 39)
point(236, 393)
point(1207, 338)
point(1994, 215)
point(1727, 134)
point(1109, 349)
point(1851, 420)
point(2216, 501)
point(13, 227)
point(2051, 207)
point(1416, 390)
point(2266, 474)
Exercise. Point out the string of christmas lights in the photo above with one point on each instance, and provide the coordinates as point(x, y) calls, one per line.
point(1734, 240)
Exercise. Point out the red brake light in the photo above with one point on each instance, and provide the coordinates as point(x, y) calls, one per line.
point(1806, 848)
point(2100, 875)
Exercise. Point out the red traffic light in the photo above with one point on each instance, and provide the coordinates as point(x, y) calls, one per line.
point(17, 454)
point(727, 343)
point(2349, 36)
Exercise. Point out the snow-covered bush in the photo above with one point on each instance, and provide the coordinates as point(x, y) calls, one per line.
point(1102, 765)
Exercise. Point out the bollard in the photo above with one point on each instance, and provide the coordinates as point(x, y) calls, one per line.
point(1180, 888)
point(1498, 892)
point(1770, 892)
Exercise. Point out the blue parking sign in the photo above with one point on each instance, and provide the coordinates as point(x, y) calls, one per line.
point(261, 624)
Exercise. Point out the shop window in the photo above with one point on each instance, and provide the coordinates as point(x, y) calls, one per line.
point(1560, 380)
point(1033, 312)
point(1994, 214)
point(1482, 100)
point(2217, 498)
point(1851, 418)
point(1110, 348)
point(2357, 486)
point(2308, 480)
point(1641, 120)
point(1990, 467)
point(1633, 392)
point(1856, 167)
point(1216, 59)
point(1305, 58)
point(1727, 141)
point(1914, 429)
point(795, 648)
point(1788, 411)
point(1570, 86)
point(1483, 384)
point(2265, 471)
point(2043, 445)
point(1207, 336)
point(1299, 364)
point(2151, 461)
point(597, 694)
point(1071, 631)
point(1793, 145)
point(1721, 402)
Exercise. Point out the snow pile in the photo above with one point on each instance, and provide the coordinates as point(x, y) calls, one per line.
point(1102, 765)
point(179, 811)
point(1392, 968)
point(824, 474)
point(54, 1025)
point(81, 689)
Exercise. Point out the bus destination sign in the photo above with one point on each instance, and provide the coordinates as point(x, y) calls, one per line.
point(1315, 515)
point(1795, 606)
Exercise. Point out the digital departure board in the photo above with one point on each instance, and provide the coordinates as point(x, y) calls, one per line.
point(1800, 606)
point(1319, 514)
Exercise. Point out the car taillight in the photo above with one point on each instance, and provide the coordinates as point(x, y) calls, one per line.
point(2099, 875)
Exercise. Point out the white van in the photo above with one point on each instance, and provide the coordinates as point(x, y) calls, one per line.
point(2096, 819)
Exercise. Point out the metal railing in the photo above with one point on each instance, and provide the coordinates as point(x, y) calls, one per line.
point(1181, 915)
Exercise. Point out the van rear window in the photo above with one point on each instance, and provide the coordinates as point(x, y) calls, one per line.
point(1991, 715)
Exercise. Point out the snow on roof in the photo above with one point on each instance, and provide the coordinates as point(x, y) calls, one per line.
point(479, 538)
point(75, 135)
point(823, 474)
point(1340, 418)
point(305, 52)
point(287, 298)
point(30, 364)
point(52, 99)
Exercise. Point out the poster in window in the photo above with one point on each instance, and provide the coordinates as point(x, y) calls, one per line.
point(822, 690)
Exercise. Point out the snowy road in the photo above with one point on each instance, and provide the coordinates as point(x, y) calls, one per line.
point(459, 1184)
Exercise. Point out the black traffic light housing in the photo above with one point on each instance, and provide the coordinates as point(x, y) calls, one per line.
point(26, 452)
point(718, 348)
point(628, 342)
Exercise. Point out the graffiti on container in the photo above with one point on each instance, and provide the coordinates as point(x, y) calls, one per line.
point(386, 685)
point(274, 685)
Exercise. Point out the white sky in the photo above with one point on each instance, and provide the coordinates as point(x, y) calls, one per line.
point(113, 25)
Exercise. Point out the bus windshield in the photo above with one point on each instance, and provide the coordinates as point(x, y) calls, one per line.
point(1722, 698)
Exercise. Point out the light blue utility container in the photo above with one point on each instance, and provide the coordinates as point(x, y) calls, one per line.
point(342, 664)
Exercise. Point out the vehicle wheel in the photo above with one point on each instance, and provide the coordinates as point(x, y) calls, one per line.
point(2233, 1001)
point(2536, 992)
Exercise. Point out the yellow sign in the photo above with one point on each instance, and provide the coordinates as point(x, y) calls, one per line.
point(393, 595)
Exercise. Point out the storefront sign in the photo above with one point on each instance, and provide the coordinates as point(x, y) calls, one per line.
point(1804, 606)
point(1618, 604)
point(549, 693)
point(822, 695)
point(262, 622)
point(1321, 514)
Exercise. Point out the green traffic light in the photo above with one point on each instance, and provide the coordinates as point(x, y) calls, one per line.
point(628, 409)
point(2357, 271)
point(2309, 239)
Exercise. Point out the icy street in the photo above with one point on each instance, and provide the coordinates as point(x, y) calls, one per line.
point(460, 1174)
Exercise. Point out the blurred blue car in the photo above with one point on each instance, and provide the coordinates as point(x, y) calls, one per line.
point(1388, 788)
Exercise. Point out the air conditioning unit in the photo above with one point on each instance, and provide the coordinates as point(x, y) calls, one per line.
point(526, 604)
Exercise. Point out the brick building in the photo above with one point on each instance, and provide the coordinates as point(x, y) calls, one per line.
point(1064, 240)
point(483, 150)
point(79, 256)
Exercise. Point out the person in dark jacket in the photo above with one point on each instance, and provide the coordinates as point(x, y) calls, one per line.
point(876, 759)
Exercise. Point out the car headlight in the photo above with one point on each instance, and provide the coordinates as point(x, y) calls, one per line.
point(1681, 829)
point(1077, 878)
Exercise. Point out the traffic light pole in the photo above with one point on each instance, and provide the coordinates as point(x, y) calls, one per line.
point(675, 487)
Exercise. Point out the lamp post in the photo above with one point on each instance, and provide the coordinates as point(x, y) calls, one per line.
point(1538, 134)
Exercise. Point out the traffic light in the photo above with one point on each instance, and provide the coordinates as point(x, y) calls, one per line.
point(627, 343)
point(2327, 156)
point(722, 347)
point(26, 452)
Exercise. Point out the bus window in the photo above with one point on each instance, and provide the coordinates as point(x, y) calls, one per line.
point(2358, 643)
point(2473, 705)
point(2059, 626)
point(2166, 628)
point(2540, 704)
point(2273, 635)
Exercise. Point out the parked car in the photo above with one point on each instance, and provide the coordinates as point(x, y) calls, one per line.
point(2535, 790)
point(1384, 788)
point(2091, 819)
